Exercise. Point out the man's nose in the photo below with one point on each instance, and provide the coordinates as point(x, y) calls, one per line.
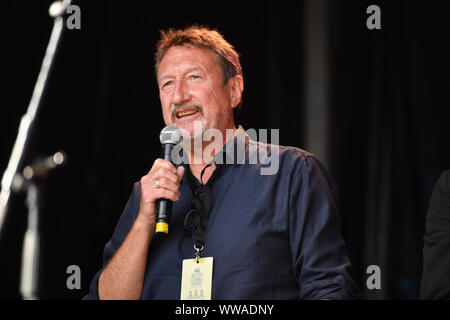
point(181, 93)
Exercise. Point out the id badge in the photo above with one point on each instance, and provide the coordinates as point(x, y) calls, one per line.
point(196, 279)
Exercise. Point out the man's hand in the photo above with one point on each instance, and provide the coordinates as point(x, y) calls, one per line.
point(168, 178)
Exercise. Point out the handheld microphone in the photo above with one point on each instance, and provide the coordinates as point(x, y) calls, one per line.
point(170, 136)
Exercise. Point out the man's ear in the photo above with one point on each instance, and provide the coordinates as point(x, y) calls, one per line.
point(236, 85)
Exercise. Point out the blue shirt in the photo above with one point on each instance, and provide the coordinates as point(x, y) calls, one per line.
point(271, 236)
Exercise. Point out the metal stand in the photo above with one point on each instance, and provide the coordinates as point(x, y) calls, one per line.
point(56, 10)
point(31, 247)
point(29, 181)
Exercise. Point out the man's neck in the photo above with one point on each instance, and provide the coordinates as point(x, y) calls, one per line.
point(199, 160)
point(196, 170)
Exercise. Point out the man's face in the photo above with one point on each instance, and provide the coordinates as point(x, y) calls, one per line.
point(191, 90)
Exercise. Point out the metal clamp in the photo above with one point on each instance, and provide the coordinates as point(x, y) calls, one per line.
point(197, 252)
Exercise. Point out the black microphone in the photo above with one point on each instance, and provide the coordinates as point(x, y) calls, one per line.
point(170, 136)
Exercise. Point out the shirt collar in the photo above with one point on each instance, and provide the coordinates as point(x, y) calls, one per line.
point(234, 150)
point(232, 153)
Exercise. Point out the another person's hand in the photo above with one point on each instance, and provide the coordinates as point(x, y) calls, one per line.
point(162, 181)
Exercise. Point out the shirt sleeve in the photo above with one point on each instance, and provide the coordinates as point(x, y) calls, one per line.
point(320, 256)
point(435, 282)
point(120, 232)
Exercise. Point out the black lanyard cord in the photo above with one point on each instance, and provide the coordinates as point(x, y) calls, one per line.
point(197, 218)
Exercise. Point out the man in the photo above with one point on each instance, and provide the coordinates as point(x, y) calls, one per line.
point(270, 236)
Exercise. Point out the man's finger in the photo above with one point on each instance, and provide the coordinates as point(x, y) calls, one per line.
point(180, 172)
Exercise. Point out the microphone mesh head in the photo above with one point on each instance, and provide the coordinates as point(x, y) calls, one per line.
point(170, 134)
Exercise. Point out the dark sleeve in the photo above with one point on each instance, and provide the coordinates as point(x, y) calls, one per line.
point(120, 232)
point(320, 255)
point(435, 282)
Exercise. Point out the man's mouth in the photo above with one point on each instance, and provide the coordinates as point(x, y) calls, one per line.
point(185, 113)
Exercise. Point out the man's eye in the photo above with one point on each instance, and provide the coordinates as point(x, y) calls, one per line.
point(194, 77)
point(168, 83)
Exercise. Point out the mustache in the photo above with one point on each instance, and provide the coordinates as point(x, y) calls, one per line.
point(175, 108)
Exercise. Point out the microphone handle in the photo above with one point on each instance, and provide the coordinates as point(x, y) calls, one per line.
point(164, 206)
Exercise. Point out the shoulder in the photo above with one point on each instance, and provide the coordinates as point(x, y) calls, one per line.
point(441, 193)
point(443, 183)
point(439, 207)
point(289, 157)
point(435, 275)
point(300, 168)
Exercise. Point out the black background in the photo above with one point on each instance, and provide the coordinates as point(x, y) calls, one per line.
point(388, 136)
